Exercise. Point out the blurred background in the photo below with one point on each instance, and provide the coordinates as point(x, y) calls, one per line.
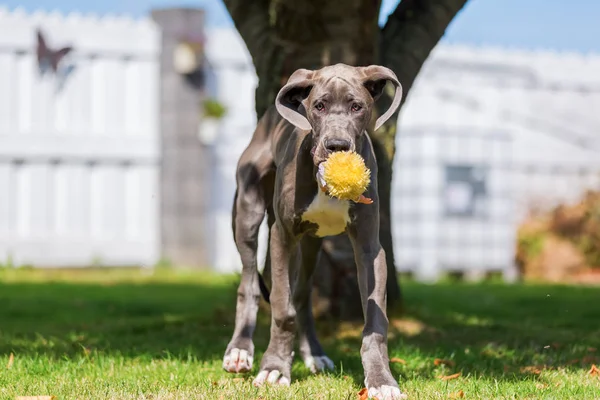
point(121, 123)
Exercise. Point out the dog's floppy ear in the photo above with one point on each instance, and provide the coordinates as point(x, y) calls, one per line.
point(376, 77)
point(290, 97)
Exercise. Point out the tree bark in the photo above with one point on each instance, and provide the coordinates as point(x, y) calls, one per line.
point(284, 35)
point(410, 33)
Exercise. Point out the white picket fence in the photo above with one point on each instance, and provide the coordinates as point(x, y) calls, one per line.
point(79, 152)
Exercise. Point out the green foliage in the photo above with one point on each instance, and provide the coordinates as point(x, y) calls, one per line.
point(213, 109)
point(531, 244)
point(580, 224)
point(125, 334)
point(589, 242)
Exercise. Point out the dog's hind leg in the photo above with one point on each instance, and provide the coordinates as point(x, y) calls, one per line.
point(248, 213)
point(310, 349)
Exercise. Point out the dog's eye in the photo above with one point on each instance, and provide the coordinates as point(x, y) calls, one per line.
point(320, 106)
point(356, 107)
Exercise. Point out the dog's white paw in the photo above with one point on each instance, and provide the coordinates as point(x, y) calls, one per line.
point(386, 392)
point(273, 377)
point(318, 363)
point(237, 361)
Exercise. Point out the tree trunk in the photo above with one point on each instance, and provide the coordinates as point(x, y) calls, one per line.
point(284, 35)
point(314, 33)
point(411, 32)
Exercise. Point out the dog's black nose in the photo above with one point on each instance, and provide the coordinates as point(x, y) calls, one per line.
point(338, 145)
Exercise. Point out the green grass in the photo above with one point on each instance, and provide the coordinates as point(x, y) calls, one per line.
point(130, 335)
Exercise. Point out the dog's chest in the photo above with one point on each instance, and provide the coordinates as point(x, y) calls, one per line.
point(329, 214)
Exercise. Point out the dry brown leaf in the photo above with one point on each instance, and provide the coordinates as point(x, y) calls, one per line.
point(594, 371)
point(450, 377)
point(532, 369)
point(592, 349)
point(448, 363)
point(457, 395)
point(397, 360)
point(363, 394)
point(36, 397)
point(11, 360)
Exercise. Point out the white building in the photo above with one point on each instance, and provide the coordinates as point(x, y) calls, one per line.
point(524, 121)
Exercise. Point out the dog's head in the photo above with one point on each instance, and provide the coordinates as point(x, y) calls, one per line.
point(337, 104)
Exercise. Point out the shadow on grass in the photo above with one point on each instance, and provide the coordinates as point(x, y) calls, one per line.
point(501, 332)
point(153, 319)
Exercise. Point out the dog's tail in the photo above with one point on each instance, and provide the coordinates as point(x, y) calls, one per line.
point(263, 288)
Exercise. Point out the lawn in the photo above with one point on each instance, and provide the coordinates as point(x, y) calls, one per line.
point(134, 335)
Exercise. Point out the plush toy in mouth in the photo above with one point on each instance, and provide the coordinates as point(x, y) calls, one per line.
point(345, 176)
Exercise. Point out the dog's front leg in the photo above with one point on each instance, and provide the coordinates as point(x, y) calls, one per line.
point(311, 351)
point(276, 364)
point(372, 278)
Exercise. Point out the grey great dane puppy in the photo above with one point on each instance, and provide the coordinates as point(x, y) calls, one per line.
point(316, 113)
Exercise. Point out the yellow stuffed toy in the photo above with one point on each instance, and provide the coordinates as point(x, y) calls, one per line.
point(345, 176)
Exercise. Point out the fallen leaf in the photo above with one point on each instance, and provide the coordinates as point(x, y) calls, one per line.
point(592, 349)
point(397, 360)
point(450, 377)
point(541, 386)
point(532, 369)
point(457, 395)
point(363, 394)
point(215, 383)
point(11, 360)
point(36, 397)
point(238, 379)
point(448, 363)
point(594, 371)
